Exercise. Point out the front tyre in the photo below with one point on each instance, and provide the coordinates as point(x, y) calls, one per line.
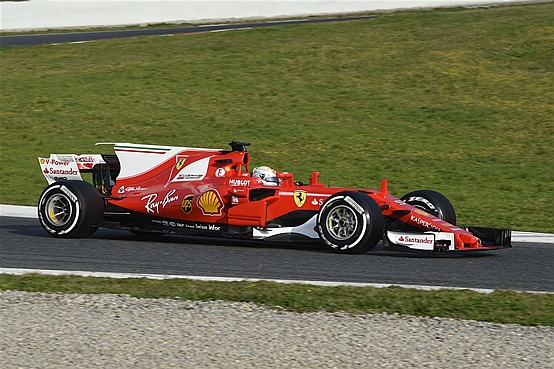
point(350, 223)
point(70, 209)
point(433, 203)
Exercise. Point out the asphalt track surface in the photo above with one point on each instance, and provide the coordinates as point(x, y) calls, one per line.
point(25, 245)
point(78, 37)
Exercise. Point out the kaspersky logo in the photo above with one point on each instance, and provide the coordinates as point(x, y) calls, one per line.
point(424, 223)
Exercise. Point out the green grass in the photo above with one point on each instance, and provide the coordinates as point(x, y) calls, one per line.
point(498, 307)
point(458, 101)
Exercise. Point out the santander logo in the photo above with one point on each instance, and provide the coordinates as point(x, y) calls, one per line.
point(416, 240)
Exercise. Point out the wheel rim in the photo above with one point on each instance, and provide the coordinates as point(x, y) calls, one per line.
point(58, 210)
point(342, 223)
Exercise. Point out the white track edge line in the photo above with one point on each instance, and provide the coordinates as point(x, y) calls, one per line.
point(15, 271)
point(31, 212)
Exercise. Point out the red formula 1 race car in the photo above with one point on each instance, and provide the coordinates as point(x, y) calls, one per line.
point(148, 189)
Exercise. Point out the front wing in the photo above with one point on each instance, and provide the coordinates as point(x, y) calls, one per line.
point(490, 239)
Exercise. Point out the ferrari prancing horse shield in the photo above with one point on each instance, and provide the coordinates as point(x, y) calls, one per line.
point(180, 163)
point(299, 197)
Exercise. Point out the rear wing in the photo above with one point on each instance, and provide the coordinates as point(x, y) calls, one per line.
point(64, 167)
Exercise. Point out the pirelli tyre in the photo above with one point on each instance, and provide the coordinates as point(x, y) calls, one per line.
point(433, 203)
point(350, 223)
point(70, 209)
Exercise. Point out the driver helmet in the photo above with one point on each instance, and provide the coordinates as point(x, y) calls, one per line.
point(267, 175)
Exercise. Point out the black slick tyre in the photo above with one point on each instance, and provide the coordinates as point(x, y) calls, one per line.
point(350, 223)
point(433, 203)
point(70, 209)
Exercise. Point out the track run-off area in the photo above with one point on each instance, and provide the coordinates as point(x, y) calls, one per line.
point(27, 248)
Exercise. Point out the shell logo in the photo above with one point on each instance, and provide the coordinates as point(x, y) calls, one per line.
point(210, 203)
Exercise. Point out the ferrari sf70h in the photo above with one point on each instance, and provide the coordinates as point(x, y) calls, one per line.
point(156, 190)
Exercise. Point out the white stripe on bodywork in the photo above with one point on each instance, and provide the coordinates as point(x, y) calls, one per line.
point(287, 193)
point(195, 171)
point(135, 163)
point(307, 229)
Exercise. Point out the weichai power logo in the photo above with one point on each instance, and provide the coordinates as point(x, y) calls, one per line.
point(210, 203)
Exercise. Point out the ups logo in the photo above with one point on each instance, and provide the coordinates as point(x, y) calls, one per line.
point(186, 205)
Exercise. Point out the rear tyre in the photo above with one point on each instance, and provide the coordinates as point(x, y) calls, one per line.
point(70, 209)
point(433, 203)
point(350, 223)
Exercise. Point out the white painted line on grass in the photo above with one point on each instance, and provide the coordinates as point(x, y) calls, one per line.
point(18, 211)
point(231, 29)
point(532, 237)
point(14, 271)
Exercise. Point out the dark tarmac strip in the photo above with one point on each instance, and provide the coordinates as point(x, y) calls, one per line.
point(78, 37)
